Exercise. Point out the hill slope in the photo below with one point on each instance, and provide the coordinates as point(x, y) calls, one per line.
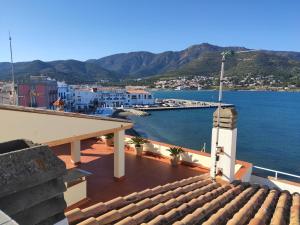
point(72, 71)
point(203, 59)
point(141, 64)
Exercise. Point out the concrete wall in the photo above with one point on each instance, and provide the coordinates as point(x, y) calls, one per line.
point(189, 156)
point(273, 183)
point(75, 193)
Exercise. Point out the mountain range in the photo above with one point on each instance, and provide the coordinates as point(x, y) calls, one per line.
point(203, 59)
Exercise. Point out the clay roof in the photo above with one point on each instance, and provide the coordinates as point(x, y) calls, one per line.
point(195, 200)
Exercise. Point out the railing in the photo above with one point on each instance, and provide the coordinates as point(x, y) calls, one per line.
point(277, 172)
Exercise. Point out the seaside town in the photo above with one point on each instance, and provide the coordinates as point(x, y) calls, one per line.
point(210, 82)
point(134, 138)
point(44, 92)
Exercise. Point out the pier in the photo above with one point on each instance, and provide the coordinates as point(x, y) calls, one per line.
point(180, 104)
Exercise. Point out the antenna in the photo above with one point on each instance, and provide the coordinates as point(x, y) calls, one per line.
point(223, 54)
point(219, 148)
point(12, 72)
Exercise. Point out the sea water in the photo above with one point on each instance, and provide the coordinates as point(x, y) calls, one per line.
point(268, 125)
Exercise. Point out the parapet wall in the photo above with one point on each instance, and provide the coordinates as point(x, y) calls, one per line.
point(193, 157)
point(272, 182)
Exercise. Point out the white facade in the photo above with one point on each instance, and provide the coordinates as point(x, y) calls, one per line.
point(65, 92)
point(226, 162)
point(83, 99)
point(139, 97)
point(111, 97)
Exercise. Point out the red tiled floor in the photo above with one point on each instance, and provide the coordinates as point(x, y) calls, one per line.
point(140, 173)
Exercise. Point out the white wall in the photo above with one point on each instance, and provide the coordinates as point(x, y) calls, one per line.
point(199, 159)
point(75, 193)
point(273, 183)
point(227, 140)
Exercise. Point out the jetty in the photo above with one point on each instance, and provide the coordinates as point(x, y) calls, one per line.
point(136, 112)
point(178, 104)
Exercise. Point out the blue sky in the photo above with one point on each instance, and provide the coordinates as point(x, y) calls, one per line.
point(78, 29)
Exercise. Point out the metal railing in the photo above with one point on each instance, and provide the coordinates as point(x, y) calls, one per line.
point(277, 172)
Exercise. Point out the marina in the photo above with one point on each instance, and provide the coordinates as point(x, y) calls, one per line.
point(180, 104)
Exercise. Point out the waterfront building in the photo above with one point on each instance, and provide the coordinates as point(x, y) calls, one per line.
point(39, 91)
point(111, 97)
point(139, 97)
point(84, 98)
point(101, 189)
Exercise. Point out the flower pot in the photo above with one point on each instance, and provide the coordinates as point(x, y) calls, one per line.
point(110, 142)
point(139, 150)
point(175, 160)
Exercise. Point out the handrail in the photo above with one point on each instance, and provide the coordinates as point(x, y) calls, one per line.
point(277, 172)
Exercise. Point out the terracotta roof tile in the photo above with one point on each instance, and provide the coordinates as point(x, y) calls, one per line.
point(295, 210)
point(197, 200)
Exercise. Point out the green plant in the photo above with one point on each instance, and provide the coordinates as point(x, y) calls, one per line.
point(175, 151)
point(109, 136)
point(138, 141)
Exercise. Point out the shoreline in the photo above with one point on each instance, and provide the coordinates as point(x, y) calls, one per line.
point(229, 89)
point(120, 114)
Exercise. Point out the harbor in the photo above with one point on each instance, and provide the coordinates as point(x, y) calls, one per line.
point(180, 104)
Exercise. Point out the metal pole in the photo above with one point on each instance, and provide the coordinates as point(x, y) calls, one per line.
point(12, 72)
point(218, 115)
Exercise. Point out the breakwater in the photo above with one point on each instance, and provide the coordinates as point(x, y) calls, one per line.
point(180, 104)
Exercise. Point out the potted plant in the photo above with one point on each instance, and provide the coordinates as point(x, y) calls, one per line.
point(138, 143)
point(109, 139)
point(175, 153)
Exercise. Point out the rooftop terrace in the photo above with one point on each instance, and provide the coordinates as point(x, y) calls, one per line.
point(141, 173)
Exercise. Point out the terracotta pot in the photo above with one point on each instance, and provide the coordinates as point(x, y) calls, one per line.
point(175, 160)
point(110, 142)
point(139, 150)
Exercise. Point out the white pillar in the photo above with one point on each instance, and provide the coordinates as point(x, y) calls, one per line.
point(119, 154)
point(75, 152)
point(226, 163)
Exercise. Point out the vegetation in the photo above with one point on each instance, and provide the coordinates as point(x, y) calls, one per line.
point(138, 141)
point(124, 69)
point(175, 151)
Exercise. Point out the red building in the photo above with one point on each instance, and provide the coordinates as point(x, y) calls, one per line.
point(38, 92)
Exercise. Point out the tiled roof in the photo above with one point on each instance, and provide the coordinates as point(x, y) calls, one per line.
point(195, 200)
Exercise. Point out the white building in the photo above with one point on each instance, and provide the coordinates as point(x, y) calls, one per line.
point(139, 97)
point(66, 93)
point(84, 99)
point(111, 97)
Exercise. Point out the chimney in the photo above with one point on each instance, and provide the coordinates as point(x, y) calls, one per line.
point(224, 160)
point(31, 183)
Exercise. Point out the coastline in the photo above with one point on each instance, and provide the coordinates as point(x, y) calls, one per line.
point(120, 114)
